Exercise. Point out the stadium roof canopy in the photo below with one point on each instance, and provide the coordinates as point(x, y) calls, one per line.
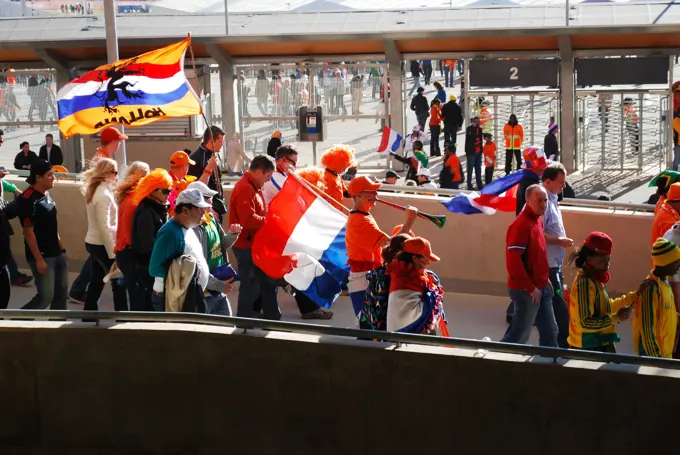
point(72, 39)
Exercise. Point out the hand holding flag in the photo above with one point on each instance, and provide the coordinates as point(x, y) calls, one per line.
point(390, 142)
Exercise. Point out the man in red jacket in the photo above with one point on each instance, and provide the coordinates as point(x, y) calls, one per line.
point(247, 208)
point(528, 273)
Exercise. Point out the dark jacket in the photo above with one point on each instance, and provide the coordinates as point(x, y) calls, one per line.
point(525, 183)
point(473, 135)
point(148, 218)
point(453, 116)
point(416, 71)
point(24, 160)
point(273, 146)
point(550, 146)
point(56, 157)
point(411, 174)
point(419, 105)
point(201, 156)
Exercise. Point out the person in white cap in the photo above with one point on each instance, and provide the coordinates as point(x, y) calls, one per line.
point(177, 238)
point(424, 175)
point(215, 243)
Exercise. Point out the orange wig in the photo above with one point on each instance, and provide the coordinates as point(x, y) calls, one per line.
point(158, 178)
point(338, 158)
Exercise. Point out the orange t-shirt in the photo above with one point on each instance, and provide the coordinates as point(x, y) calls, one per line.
point(435, 115)
point(490, 154)
point(126, 212)
point(664, 219)
point(364, 241)
point(453, 163)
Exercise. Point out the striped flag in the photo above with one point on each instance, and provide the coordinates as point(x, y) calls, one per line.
point(390, 142)
point(131, 92)
point(499, 195)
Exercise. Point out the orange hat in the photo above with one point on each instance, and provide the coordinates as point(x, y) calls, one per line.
point(276, 134)
point(421, 247)
point(363, 183)
point(181, 158)
point(674, 193)
point(156, 179)
point(110, 134)
point(397, 228)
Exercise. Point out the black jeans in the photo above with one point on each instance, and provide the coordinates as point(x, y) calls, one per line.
point(126, 263)
point(101, 264)
point(560, 307)
point(434, 140)
point(255, 284)
point(5, 287)
point(508, 160)
point(304, 303)
point(488, 174)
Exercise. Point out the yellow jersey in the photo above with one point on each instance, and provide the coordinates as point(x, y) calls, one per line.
point(655, 320)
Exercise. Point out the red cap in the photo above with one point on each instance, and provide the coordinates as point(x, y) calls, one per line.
point(363, 183)
point(397, 228)
point(599, 242)
point(180, 159)
point(110, 134)
point(421, 247)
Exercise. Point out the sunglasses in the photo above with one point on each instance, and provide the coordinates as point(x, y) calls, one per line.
point(165, 191)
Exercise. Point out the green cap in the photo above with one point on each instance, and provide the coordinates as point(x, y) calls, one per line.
point(673, 177)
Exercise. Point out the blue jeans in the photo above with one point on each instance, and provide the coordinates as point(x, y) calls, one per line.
point(217, 303)
point(52, 286)
point(474, 160)
point(448, 76)
point(527, 313)
point(158, 302)
point(676, 157)
point(416, 84)
point(79, 287)
point(255, 284)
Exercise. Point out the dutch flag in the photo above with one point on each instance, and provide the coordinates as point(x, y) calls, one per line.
point(390, 142)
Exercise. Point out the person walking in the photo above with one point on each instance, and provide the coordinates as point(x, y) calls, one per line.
point(274, 143)
point(51, 152)
point(420, 106)
point(45, 253)
point(25, 158)
point(452, 115)
point(554, 181)
point(206, 169)
point(435, 127)
point(441, 92)
point(528, 274)
point(489, 158)
point(248, 209)
point(514, 136)
point(550, 146)
point(102, 219)
point(427, 71)
point(593, 314)
point(473, 152)
point(125, 258)
point(416, 71)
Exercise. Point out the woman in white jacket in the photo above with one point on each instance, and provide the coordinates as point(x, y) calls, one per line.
point(102, 216)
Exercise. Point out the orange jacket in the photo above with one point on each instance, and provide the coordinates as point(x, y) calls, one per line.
point(514, 136)
point(435, 116)
point(490, 154)
point(664, 219)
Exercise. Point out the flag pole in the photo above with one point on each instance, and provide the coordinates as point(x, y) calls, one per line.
point(316, 190)
point(112, 56)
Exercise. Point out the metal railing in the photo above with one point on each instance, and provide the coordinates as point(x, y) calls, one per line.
point(246, 324)
point(440, 192)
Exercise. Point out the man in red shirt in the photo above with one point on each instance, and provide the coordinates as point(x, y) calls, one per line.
point(247, 208)
point(529, 287)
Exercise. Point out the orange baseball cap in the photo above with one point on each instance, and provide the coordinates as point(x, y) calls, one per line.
point(397, 228)
point(674, 192)
point(110, 134)
point(276, 134)
point(421, 247)
point(181, 159)
point(363, 183)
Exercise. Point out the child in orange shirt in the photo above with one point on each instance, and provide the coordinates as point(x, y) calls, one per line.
point(489, 158)
point(451, 174)
point(435, 127)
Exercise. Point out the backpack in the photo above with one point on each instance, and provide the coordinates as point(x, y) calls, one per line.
point(373, 315)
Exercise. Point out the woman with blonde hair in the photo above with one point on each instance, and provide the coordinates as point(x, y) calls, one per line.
point(102, 216)
point(125, 258)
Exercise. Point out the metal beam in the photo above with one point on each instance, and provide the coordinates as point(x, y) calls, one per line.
point(52, 59)
point(226, 65)
point(395, 99)
point(567, 93)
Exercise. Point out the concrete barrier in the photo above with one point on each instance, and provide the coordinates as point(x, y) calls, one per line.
point(189, 389)
point(472, 247)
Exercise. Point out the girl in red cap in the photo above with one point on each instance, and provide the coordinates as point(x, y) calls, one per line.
point(415, 303)
point(593, 315)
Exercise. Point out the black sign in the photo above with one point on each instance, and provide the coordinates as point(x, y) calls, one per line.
point(514, 73)
point(621, 71)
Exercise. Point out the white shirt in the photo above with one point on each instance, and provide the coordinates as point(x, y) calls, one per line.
point(272, 187)
point(553, 225)
point(49, 150)
point(102, 219)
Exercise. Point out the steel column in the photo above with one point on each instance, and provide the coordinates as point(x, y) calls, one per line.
point(396, 97)
point(567, 130)
point(226, 66)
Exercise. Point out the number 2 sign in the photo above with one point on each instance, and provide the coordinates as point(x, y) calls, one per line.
point(494, 73)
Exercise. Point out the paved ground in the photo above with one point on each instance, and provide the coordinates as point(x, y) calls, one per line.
point(469, 316)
